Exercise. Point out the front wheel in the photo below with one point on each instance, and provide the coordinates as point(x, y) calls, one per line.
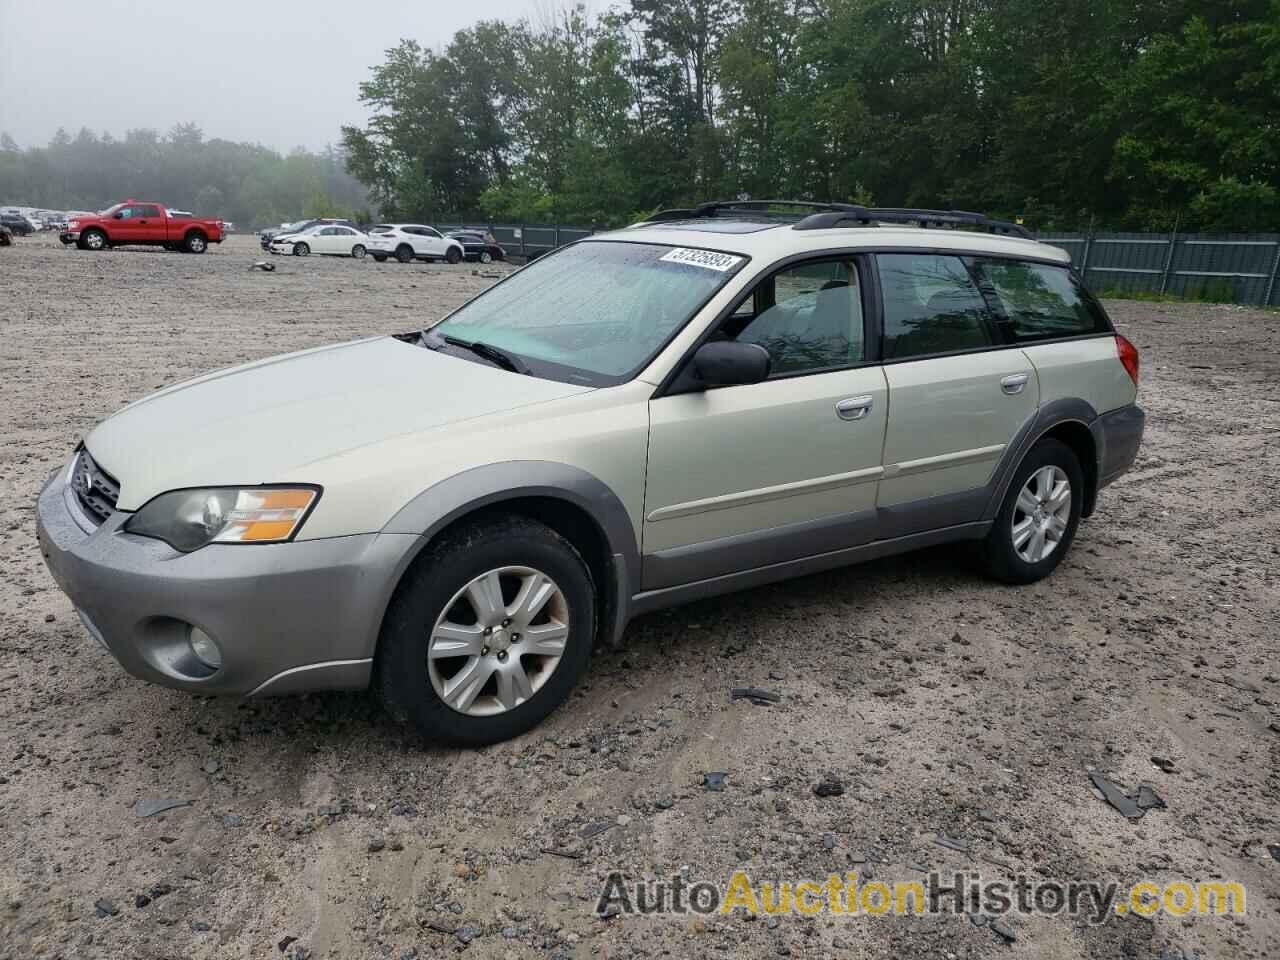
point(301, 250)
point(93, 240)
point(1039, 516)
point(486, 256)
point(358, 251)
point(454, 255)
point(488, 633)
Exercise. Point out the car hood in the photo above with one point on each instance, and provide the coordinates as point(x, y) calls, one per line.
point(268, 421)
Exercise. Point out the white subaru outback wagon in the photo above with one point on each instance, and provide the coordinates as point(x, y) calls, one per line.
point(709, 401)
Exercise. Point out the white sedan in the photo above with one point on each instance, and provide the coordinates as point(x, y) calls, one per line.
point(323, 238)
point(412, 241)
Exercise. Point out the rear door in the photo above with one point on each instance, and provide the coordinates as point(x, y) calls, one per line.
point(957, 394)
point(749, 475)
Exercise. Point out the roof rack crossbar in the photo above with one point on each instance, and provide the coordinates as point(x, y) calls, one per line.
point(869, 216)
point(706, 211)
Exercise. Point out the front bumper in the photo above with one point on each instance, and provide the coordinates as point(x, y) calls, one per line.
point(69, 236)
point(286, 617)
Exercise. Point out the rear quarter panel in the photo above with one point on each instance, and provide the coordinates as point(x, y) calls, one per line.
point(1088, 369)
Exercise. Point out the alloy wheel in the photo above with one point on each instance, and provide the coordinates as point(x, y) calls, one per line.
point(498, 641)
point(1041, 513)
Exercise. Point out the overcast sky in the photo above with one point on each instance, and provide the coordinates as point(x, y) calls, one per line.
point(279, 72)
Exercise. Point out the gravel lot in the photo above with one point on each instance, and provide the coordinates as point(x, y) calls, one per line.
point(945, 704)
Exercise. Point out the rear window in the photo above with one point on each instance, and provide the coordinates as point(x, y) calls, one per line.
point(1040, 301)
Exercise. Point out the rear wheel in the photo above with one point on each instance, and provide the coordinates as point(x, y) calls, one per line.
point(195, 242)
point(404, 253)
point(358, 251)
point(488, 634)
point(454, 255)
point(1039, 516)
point(486, 256)
point(301, 250)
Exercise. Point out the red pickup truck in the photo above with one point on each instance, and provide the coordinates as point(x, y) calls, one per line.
point(142, 222)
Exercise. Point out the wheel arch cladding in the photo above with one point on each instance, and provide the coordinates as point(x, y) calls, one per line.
point(576, 505)
point(1070, 420)
point(1080, 439)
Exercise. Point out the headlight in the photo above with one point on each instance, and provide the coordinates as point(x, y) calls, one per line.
point(189, 519)
point(71, 225)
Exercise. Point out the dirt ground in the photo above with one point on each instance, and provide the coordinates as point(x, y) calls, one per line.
point(944, 703)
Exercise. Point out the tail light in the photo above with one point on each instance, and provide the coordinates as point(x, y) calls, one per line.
point(1128, 356)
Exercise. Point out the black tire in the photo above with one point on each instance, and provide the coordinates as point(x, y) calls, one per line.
point(402, 678)
point(1001, 557)
point(358, 251)
point(195, 242)
point(380, 257)
point(454, 255)
point(404, 253)
point(93, 240)
point(301, 250)
point(486, 256)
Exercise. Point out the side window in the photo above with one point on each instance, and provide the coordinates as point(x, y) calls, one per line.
point(147, 210)
point(127, 213)
point(930, 306)
point(810, 318)
point(1040, 301)
point(429, 232)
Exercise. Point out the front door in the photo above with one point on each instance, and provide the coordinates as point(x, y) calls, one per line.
point(746, 476)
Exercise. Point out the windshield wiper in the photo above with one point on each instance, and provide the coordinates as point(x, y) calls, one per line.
point(495, 355)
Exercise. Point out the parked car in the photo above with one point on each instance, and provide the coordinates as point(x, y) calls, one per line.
point(266, 236)
point(329, 238)
point(6, 235)
point(17, 224)
point(479, 245)
point(412, 241)
point(141, 222)
point(705, 403)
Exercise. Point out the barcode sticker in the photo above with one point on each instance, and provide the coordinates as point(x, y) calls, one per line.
point(708, 259)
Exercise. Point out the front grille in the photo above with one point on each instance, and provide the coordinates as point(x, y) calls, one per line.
point(95, 489)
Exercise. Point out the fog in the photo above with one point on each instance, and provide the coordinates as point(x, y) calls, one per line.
point(283, 74)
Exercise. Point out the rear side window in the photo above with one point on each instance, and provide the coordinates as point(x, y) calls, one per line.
point(931, 305)
point(1040, 301)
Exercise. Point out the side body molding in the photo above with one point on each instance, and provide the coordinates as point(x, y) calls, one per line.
point(441, 504)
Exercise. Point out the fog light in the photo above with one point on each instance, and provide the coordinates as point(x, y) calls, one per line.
point(204, 648)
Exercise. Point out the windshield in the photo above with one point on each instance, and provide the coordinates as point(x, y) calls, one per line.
point(595, 311)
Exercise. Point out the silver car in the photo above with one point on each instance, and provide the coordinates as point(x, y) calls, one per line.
point(710, 401)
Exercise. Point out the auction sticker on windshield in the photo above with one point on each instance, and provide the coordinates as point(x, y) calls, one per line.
point(702, 258)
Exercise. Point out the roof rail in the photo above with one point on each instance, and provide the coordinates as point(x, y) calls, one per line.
point(846, 215)
point(716, 208)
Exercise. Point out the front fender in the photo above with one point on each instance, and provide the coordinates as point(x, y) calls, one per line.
point(442, 503)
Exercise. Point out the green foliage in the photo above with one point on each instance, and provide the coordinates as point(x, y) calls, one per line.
point(241, 182)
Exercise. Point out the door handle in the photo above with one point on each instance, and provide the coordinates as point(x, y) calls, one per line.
point(1014, 383)
point(854, 408)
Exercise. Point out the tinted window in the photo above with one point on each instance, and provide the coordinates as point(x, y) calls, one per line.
point(930, 306)
point(147, 210)
point(813, 318)
point(1040, 300)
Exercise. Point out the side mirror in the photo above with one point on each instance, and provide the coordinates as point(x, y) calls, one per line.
point(118, 215)
point(725, 363)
